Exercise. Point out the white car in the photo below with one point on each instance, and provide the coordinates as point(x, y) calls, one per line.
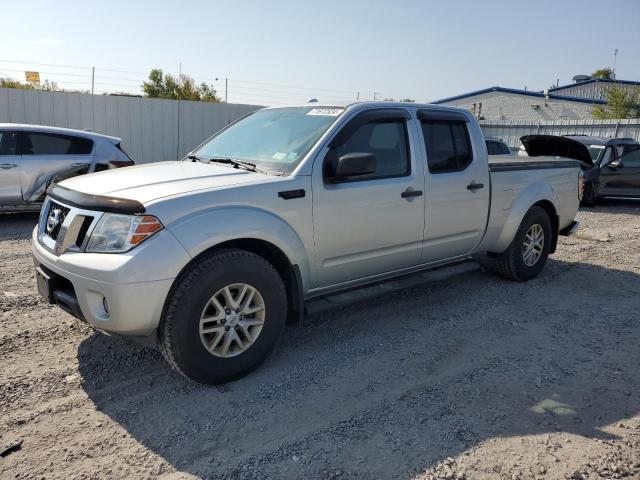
point(34, 156)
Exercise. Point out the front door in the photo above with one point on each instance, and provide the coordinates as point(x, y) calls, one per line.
point(10, 190)
point(622, 177)
point(372, 224)
point(457, 186)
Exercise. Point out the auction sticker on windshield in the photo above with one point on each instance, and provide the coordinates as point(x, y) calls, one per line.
point(331, 112)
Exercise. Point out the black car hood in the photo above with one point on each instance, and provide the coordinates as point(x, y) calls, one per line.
point(552, 145)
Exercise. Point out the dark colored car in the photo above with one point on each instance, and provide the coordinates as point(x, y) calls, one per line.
point(611, 166)
point(495, 146)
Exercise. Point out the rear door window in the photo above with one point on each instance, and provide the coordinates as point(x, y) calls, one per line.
point(631, 156)
point(448, 145)
point(39, 143)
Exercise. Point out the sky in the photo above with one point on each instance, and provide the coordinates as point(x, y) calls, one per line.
point(285, 51)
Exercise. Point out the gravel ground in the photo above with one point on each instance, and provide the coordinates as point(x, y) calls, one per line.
point(467, 377)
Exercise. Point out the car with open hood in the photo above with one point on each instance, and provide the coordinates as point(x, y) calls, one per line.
point(611, 165)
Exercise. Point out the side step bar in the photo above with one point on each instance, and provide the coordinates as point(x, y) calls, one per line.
point(340, 299)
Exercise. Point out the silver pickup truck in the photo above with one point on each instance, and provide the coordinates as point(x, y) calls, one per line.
point(209, 257)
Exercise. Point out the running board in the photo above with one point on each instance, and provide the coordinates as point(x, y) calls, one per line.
point(341, 299)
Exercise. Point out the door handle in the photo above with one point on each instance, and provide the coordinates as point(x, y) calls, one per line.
point(473, 186)
point(411, 193)
point(7, 166)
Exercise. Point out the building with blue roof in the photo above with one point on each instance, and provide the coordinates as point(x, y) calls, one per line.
point(567, 102)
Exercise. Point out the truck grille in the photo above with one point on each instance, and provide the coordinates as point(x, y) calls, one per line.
point(64, 228)
point(82, 233)
point(55, 218)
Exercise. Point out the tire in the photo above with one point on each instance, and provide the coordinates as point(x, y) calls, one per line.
point(511, 263)
point(193, 320)
point(590, 196)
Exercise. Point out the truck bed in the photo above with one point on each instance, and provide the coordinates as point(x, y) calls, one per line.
point(506, 163)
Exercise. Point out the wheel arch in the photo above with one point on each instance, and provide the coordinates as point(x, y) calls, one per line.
point(288, 271)
point(538, 194)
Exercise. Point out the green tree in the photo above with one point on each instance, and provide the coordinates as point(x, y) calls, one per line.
point(46, 86)
point(604, 73)
point(621, 103)
point(161, 85)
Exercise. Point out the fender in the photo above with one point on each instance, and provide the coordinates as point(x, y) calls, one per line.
point(531, 195)
point(214, 226)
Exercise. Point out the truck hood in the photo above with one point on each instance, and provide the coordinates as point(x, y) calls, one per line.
point(555, 146)
point(151, 181)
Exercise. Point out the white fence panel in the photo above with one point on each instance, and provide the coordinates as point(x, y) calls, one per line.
point(148, 126)
point(511, 131)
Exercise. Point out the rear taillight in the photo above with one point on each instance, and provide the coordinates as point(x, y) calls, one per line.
point(121, 163)
point(580, 185)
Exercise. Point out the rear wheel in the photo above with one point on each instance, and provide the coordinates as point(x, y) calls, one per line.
point(527, 254)
point(223, 317)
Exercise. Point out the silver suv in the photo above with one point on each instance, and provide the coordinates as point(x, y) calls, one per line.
point(32, 157)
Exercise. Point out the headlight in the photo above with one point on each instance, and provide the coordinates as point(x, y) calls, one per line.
point(117, 233)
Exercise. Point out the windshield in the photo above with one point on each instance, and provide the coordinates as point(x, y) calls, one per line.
point(274, 139)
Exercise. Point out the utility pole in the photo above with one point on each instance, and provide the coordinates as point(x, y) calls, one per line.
point(357, 96)
point(179, 95)
point(226, 90)
point(374, 95)
point(93, 77)
point(615, 57)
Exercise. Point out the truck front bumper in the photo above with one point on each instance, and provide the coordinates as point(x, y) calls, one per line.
point(104, 291)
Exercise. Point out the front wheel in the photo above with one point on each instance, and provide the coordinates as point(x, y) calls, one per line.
point(527, 254)
point(223, 317)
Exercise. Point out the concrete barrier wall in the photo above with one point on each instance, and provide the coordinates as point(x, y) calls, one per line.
point(148, 127)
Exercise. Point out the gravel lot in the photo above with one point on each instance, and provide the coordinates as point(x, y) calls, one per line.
point(467, 377)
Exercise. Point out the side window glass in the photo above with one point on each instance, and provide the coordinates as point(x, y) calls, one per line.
point(631, 157)
point(387, 141)
point(7, 143)
point(36, 143)
point(448, 145)
point(491, 148)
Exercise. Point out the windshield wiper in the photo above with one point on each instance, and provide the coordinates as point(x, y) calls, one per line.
point(237, 164)
point(197, 158)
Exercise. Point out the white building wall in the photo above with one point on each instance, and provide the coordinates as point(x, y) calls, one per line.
point(510, 106)
point(148, 126)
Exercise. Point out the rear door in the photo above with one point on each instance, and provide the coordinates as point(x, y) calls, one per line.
point(46, 155)
point(10, 190)
point(457, 186)
point(624, 179)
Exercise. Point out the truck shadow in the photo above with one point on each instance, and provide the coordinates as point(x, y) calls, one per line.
point(386, 388)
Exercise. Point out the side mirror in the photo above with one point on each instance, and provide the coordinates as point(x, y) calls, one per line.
point(352, 165)
point(615, 164)
point(355, 165)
